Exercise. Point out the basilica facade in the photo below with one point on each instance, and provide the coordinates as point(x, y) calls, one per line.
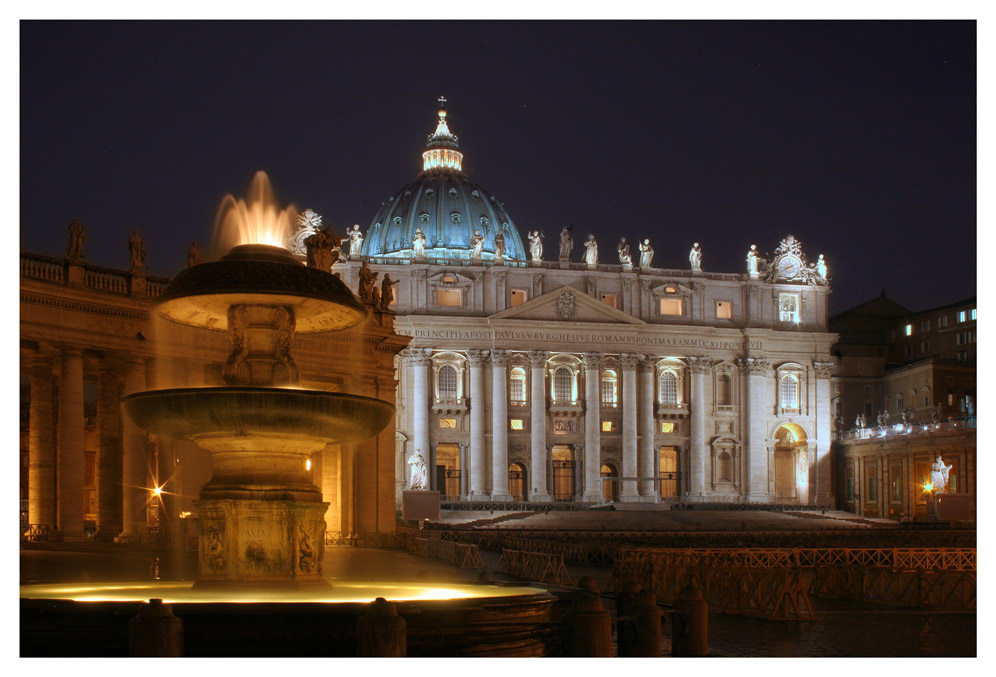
point(553, 376)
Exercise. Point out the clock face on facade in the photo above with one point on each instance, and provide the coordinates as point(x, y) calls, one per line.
point(789, 267)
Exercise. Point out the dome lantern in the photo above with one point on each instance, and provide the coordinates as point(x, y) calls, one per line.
point(442, 150)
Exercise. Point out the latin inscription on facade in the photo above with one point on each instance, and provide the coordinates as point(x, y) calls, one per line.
point(571, 337)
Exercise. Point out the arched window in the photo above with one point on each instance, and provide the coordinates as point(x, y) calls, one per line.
point(724, 390)
point(668, 390)
point(789, 392)
point(447, 383)
point(563, 385)
point(517, 385)
point(609, 390)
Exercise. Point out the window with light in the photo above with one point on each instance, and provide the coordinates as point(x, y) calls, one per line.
point(517, 385)
point(449, 297)
point(447, 383)
point(668, 388)
point(789, 388)
point(563, 385)
point(724, 310)
point(788, 308)
point(609, 394)
point(671, 306)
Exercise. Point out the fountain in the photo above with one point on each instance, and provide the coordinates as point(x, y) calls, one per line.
point(261, 519)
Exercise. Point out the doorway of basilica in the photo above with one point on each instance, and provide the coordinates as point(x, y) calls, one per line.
point(790, 443)
point(610, 490)
point(562, 460)
point(517, 482)
point(448, 471)
point(668, 472)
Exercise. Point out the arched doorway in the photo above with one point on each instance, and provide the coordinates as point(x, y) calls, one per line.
point(610, 489)
point(563, 472)
point(448, 471)
point(517, 482)
point(790, 455)
point(668, 472)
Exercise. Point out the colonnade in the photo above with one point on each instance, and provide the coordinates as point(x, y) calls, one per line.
point(639, 427)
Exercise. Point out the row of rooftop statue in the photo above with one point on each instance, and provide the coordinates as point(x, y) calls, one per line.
point(322, 249)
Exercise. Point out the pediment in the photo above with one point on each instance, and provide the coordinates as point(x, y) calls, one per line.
point(450, 278)
point(566, 304)
point(665, 289)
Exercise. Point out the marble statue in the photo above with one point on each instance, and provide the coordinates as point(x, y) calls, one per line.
point(591, 250)
point(536, 245)
point(419, 473)
point(939, 476)
point(499, 245)
point(623, 250)
point(77, 236)
point(136, 248)
point(646, 253)
point(695, 258)
point(320, 249)
point(566, 243)
point(418, 243)
point(752, 261)
point(821, 269)
point(374, 292)
point(385, 291)
point(194, 256)
point(355, 240)
point(367, 278)
point(477, 243)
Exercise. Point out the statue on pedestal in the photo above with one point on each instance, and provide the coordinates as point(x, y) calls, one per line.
point(752, 261)
point(939, 476)
point(136, 248)
point(320, 247)
point(566, 243)
point(536, 245)
point(419, 474)
point(418, 242)
point(386, 294)
point(695, 258)
point(646, 253)
point(355, 240)
point(367, 278)
point(194, 256)
point(591, 250)
point(477, 244)
point(499, 245)
point(77, 236)
point(374, 292)
point(623, 250)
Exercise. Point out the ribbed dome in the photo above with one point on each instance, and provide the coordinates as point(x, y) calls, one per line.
point(446, 205)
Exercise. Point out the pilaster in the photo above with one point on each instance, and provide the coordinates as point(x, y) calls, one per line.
point(592, 428)
point(478, 407)
point(629, 490)
point(537, 427)
point(499, 426)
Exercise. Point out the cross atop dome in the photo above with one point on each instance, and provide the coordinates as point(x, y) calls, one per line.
point(442, 152)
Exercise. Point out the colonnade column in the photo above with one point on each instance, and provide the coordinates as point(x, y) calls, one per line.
point(419, 359)
point(629, 430)
point(478, 406)
point(646, 427)
point(757, 452)
point(71, 445)
point(699, 367)
point(134, 464)
point(499, 426)
point(537, 426)
point(824, 370)
point(592, 428)
point(109, 470)
point(41, 439)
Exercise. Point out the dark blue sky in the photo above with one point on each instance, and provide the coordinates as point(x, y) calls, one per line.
point(857, 137)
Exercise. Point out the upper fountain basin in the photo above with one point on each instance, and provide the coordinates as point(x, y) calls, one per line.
point(257, 274)
point(188, 413)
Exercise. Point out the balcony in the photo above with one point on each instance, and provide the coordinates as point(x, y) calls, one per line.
point(903, 429)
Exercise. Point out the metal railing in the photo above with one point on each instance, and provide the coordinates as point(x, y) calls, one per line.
point(900, 429)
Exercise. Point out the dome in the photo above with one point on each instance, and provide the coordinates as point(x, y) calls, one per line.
point(446, 205)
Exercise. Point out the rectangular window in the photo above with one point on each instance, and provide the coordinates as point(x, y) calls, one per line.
point(973, 313)
point(447, 423)
point(909, 330)
point(961, 315)
point(788, 307)
point(518, 297)
point(942, 321)
point(850, 488)
point(667, 426)
point(606, 426)
point(908, 350)
point(924, 347)
point(611, 300)
point(449, 297)
point(517, 424)
point(724, 310)
point(899, 405)
point(962, 356)
point(925, 325)
point(872, 489)
point(671, 307)
point(950, 399)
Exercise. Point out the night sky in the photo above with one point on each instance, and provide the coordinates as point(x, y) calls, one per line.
point(859, 138)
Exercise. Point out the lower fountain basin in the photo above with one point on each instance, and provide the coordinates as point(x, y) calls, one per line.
point(192, 413)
